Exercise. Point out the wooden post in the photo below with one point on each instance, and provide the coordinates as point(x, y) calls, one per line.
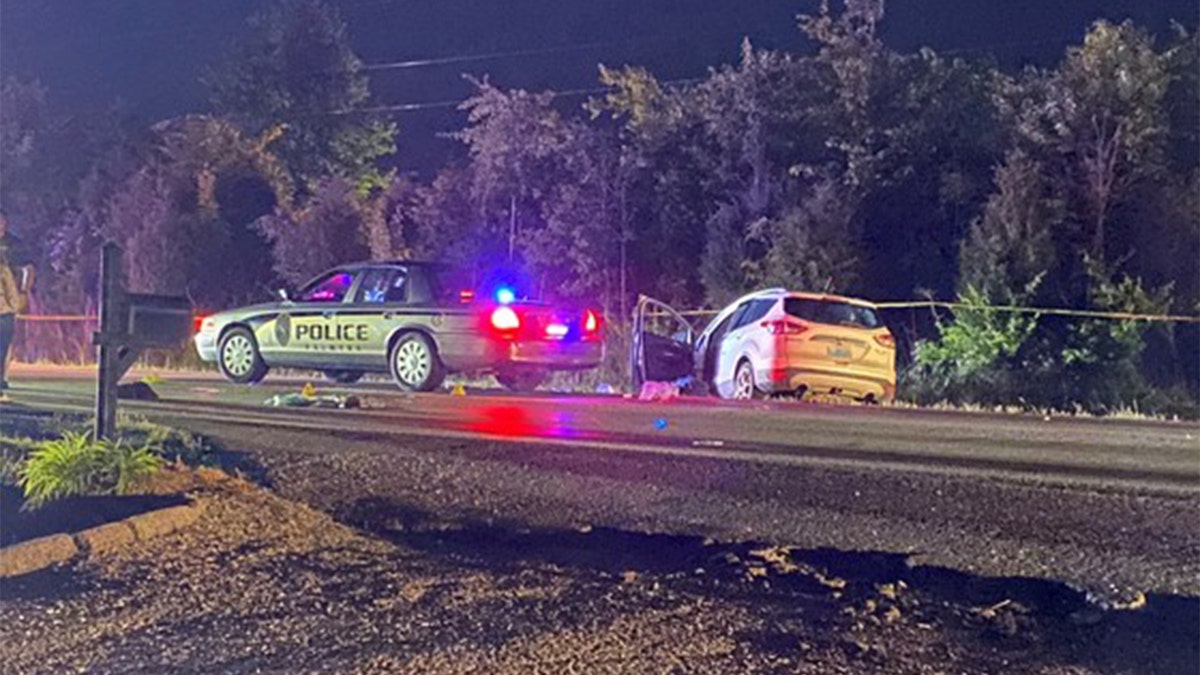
point(107, 348)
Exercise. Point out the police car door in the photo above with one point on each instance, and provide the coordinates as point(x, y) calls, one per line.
point(377, 306)
point(307, 329)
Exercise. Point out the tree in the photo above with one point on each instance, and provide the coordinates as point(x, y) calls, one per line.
point(1010, 249)
point(326, 232)
point(1097, 123)
point(23, 123)
point(666, 191)
point(295, 73)
point(546, 193)
point(810, 246)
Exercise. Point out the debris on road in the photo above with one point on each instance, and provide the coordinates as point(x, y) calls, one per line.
point(658, 391)
point(302, 401)
point(136, 391)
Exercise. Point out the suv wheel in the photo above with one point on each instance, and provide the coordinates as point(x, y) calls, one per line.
point(743, 382)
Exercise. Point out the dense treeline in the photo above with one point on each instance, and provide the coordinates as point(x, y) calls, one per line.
point(853, 169)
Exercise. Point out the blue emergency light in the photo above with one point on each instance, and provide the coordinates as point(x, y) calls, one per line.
point(505, 295)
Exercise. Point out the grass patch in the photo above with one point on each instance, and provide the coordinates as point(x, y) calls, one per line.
point(54, 456)
point(76, 465)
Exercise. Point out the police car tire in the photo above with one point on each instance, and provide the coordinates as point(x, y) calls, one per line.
point(520, 381)
point(343, 376)
point(436, 372)
point(257, 368)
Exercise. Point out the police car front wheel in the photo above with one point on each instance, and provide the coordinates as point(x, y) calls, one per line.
point(415, 364)
point(239, 359)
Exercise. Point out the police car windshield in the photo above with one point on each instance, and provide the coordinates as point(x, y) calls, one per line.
point(834, 312)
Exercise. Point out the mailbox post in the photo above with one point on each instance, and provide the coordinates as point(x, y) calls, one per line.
point(129, 323)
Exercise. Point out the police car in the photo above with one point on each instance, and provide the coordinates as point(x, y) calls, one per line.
point(410, 319)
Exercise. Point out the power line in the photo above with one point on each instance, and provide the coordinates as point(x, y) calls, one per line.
point(491, 56)
point(428, 105)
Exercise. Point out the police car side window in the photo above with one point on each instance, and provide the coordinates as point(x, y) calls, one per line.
point(397, 287)
point(331, 288)
point(381, 285)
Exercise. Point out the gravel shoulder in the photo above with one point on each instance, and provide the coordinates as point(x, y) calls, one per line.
point(387, 561)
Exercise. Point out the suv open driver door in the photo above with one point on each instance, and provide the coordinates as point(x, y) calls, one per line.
point(663, 342)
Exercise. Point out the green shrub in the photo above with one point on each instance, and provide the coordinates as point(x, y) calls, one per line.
point(77, 465)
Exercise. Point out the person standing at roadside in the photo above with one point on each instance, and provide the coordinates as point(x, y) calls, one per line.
point(16, 279)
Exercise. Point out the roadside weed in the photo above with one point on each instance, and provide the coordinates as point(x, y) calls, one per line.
point(75, 464)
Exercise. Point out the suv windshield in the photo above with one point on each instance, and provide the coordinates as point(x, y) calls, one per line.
point(836, 312)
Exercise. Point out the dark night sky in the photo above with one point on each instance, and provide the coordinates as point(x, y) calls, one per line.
point(150, 53)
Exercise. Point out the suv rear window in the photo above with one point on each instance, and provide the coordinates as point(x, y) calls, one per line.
point(833, 312)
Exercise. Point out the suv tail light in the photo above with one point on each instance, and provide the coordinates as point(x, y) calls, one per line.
point(886, 340)
point(783, 327)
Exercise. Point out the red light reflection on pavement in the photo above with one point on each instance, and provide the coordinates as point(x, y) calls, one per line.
point(515, 421)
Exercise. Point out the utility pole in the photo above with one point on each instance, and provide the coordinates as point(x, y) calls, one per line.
point(512, 227)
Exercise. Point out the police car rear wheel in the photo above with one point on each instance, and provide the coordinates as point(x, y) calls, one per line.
point(415, 364)
point(343, 376)
point(239, 359)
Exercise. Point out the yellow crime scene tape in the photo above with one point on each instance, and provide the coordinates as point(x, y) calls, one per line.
point(1056, 311)
point(56, 317)
point(914, 304)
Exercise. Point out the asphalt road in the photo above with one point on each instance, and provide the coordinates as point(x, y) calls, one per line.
point(1109, 506)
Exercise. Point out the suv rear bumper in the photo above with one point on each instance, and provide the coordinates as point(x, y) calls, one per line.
point(828, 381)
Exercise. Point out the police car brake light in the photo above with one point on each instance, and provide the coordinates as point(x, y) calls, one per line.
point(504, 318)
point(203, 324)
point(591, 322)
